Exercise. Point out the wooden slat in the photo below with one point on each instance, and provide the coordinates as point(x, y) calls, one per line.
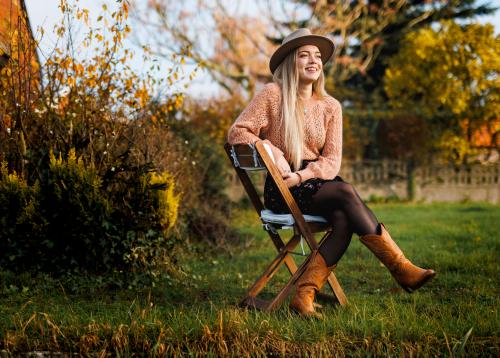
point(247, 161)
point(246, 156)
point(247, 183)
point(337, 290)
point(241, 149)
point(273, 267)
point(252, 194)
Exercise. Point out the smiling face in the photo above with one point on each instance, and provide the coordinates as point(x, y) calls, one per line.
point(309, 63)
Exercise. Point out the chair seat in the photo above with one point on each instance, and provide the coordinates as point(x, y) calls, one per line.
point(270, 217)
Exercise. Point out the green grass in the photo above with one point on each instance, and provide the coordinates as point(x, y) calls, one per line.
point(456, 314)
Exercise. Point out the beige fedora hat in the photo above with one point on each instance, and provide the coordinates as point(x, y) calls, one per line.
point(299, 38)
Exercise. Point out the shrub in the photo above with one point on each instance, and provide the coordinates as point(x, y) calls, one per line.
point(21, 224)
point(109, 198)
point(68, 223)
point(77, 215)
point(206, 207)
point(106, 199)
point(145, 212)
point(166, 199)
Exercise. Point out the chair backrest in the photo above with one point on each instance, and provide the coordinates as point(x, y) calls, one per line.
point(245, 157)
point(251, 157)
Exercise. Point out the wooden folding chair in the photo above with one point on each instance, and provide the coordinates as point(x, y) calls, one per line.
point(247, 158)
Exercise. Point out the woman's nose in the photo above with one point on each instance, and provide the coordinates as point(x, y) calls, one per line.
point(313, 60)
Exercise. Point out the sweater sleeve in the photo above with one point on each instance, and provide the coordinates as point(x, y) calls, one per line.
point(248, 127)
point(327, 166)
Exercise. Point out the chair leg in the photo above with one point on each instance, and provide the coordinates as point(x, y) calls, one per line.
point(334, 284)
point(290, 264)
point(278, 299)
point(338, 293)
point(282, 257)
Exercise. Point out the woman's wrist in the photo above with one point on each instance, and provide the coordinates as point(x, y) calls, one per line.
point(300, 177)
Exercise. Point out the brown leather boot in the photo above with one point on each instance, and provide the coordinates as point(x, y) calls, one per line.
point(313, 278)
point(407, 275)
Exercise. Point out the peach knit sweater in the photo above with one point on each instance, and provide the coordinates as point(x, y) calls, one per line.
point(322, 130)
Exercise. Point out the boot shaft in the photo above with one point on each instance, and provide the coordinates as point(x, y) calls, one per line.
point(408, 275)
point(384, 248)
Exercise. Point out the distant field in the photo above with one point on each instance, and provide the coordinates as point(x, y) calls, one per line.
point(456, 314)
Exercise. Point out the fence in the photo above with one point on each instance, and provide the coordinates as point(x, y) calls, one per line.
point(390, 179)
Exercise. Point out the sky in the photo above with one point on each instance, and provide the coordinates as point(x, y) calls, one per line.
point(46, 14)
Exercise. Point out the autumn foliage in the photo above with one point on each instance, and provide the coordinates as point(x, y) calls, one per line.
point(452, 83)
point(90, 169)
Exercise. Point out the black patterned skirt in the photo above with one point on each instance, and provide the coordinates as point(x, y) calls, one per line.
point(302, 193)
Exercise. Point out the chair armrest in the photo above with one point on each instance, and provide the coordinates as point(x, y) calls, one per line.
point(269, 151)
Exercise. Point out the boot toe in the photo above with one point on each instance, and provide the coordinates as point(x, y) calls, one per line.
point(423, 278)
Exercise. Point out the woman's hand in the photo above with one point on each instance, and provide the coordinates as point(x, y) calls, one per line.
point(283, 166)
point(291, 179)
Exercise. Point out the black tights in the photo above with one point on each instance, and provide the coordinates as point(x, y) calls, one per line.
point(341, 205)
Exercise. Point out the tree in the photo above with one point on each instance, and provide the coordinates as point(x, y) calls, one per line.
point(239, 47)
point(234, 45)
point(366, 33)
point(452, 82)
point(232, 48)
point(365, 86)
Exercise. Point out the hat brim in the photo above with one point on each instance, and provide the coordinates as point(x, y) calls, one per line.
point(324, 44)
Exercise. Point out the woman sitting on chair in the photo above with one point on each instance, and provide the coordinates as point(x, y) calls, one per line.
point(303, 126)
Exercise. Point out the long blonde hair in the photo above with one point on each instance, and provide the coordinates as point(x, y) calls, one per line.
point(292, 107)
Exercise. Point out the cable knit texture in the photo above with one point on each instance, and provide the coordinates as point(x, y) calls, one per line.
point(322, 130)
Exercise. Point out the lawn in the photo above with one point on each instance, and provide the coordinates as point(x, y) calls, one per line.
point(456, 314)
